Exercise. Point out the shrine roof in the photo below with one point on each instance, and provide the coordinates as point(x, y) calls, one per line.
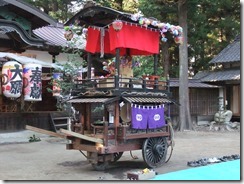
point(28, 12)
point(229, 54)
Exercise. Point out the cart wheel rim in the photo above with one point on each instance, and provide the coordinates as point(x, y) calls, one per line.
point(154, 151)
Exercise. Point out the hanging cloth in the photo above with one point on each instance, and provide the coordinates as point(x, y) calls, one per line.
point(156, 117)
point(139, 117)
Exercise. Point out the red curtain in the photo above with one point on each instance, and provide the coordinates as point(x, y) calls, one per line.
point(139, 40)
point(94, 41)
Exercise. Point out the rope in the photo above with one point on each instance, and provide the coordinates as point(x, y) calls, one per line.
point(134, 157)
point(102, 42)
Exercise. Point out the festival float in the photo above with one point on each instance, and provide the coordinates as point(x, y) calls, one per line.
point(117, 112)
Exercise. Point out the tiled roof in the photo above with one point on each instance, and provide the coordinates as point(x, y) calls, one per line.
point(147, 100)
point(29, 12)
point(231, 53)
point(225, 75)
point(89, 100)
point(200, 74)
point(192, 83)
point(54, 36)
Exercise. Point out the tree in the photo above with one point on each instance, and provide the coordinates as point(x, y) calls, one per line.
point(58, 9)
point(185, 117)
point(164, 11)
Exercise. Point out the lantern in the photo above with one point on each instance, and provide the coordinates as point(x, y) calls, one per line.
point(117, 25)
point(68, 35)
point(32, 82)
point(56, 86)
point(12, 73)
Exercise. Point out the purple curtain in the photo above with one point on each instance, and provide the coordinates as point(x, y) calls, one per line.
point(139, 117)
point(156, 117)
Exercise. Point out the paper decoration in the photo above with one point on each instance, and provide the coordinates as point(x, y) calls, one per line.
point(12, 83)
point(117, 25)
point(32, 82)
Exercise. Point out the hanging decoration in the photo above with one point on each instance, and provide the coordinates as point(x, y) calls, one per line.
point(68, 35)
point(176, 31)
point(12, 73)
point(117, 25)
point(56, 86)
point(178, 40)
point(32, 82)
point(72, 31)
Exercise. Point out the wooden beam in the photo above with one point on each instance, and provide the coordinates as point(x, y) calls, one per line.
point(42, 131)
point(70, 133)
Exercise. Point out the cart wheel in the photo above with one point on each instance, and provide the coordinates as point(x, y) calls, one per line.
point(100, 166)
point(117, 156)
point(154, 151)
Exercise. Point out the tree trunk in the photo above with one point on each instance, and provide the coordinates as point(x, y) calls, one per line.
point(185, 117)
point(165, 58)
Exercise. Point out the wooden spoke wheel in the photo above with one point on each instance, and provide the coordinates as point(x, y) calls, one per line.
point(117, 156)
point(154, 151)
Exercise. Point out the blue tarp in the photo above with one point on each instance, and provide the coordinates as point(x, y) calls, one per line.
point(229, 170)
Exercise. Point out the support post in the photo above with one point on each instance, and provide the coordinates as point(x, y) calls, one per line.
point(89, 57)
point(117, 72)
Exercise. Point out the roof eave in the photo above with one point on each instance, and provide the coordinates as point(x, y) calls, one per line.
point(33, 10)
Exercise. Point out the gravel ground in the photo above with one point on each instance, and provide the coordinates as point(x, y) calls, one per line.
point(48, 159)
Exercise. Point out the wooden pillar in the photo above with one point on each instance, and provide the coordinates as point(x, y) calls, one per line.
point(89, 58)
point(88, 116)
point(116, 123)
point(117, 63)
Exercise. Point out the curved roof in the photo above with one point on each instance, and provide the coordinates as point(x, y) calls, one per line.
point(29, 12)
point(11, 26)
point(98, 16)
point(54, 36)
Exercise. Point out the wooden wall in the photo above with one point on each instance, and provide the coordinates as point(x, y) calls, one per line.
point(203, 101)
point(17, 121)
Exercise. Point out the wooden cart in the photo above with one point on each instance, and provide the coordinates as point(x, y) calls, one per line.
point(108, 132)
point(109, 122)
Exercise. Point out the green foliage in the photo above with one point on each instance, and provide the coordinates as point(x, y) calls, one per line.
point(121, 5)
point(211, 27)
point(73, 68)
point(146, 66)
point(70, 72)
point(58, 9)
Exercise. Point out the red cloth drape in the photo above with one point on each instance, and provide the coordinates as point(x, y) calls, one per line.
point(139, 40)
point(94, 41)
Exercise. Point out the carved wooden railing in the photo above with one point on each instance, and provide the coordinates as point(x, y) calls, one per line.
point(122, 84)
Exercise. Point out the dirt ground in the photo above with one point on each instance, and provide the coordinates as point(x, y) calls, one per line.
point(49, 159)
